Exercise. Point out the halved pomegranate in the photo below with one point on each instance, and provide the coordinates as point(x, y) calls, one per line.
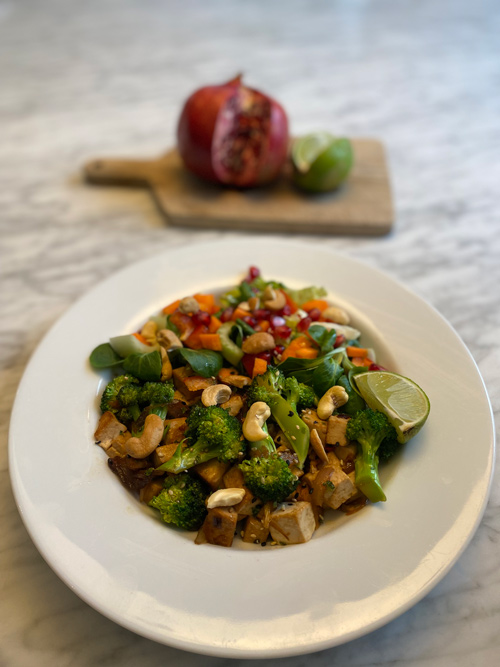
point(233, 135)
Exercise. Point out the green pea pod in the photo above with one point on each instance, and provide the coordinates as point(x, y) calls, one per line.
point(296, 431)
point(230, 351)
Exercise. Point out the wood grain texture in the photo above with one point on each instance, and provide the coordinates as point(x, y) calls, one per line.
point(362, 205)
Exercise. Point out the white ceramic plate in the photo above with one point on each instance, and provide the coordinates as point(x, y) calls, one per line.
point(356, 574)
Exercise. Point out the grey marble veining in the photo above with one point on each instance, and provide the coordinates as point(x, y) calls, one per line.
point(82, 79)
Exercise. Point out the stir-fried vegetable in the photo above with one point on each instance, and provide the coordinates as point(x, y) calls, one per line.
point(223, 409)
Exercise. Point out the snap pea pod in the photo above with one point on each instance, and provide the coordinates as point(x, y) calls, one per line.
point(230, 351)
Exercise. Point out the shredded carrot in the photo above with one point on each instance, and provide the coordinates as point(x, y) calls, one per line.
point(211, 341)
point(141, 338)
point(301, 343)
point(259, 367)
point(168, 310)
point(215, 323)
point(361, 361)
point(306, 353)
point(207, 302)
point(320, 304)
point(264, 325)
point(239, 314)
point(356, 351)
point(293, 306)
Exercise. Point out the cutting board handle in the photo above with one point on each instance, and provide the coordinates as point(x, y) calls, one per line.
point(122, 171)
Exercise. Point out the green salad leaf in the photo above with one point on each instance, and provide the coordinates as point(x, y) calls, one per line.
point(320, 373)
point(323, 337)
point(301, 296)
point(103, 356)
point(145, 366)
point(206, 363)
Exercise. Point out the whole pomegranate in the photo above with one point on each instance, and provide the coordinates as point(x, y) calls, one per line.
point(234, 135)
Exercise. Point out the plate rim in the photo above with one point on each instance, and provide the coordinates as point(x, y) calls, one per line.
point(218, 650)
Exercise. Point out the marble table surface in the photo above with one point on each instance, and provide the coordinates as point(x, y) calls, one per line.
point(80, 79)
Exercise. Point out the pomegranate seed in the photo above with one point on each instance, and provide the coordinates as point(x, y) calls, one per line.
point(264, 355)
point(201, 317)
point(286, 310)
point(314, 314)
point(262, 314)
point(251, 321)
point(279, 349)
point(282, 332)
point(303, 324)
point(226, 314)
point(248, 362)
point(339, 340)
point(277, 321)
point(253, 272)
point(376, 367)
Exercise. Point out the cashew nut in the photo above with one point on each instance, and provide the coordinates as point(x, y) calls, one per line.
point(244, 305)
point(215, 395)
point(273, 300)
point(166, 366)
point(139, 448)
point(318, 446)
point(225, 498)
point(330, 401)
point(338, 315)
point(258, 342)
point(254, 303)
point(256, 417)
point(168, 340)
point(149, 332)
point(189, 305)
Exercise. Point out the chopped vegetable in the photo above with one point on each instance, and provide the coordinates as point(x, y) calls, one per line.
point(292, 437)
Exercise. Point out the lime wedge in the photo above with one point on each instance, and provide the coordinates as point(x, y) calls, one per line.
point(306, 149)
point(321, 162)
point(400, 399)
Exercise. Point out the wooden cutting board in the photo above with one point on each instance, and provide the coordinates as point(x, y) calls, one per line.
point(362, 205)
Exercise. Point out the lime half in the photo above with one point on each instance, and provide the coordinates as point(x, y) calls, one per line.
point(400, 399)
point(306, 149)
point(321, 161)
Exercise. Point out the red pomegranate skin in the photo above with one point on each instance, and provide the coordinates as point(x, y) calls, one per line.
point(213, 110)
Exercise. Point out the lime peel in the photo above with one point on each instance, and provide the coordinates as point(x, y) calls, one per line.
point(403, 402)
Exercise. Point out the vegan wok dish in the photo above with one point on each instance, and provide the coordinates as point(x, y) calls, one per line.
point(252, 414)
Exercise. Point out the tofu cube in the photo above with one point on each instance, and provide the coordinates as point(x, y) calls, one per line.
point(190, 385)
point(293, 523)
point(164, 453)
point(335, 434)
point(233, 405)
point(212, 472)
point(219, 526)
point(233, 479)
point(310, 417)
point(176, 430)
point(343, 485)
point(255, 531)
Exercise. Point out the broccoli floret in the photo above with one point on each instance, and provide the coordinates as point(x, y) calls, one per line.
point(182, 502)
point(370, 428)
point(214, 433)
point(129, 395)
point(269, 478)
point(111, 400)
point(156, 393)
point(388, 447)
point(269, 388)
point(299, 394)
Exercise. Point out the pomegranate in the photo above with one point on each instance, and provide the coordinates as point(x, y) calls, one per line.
point(233, 135)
